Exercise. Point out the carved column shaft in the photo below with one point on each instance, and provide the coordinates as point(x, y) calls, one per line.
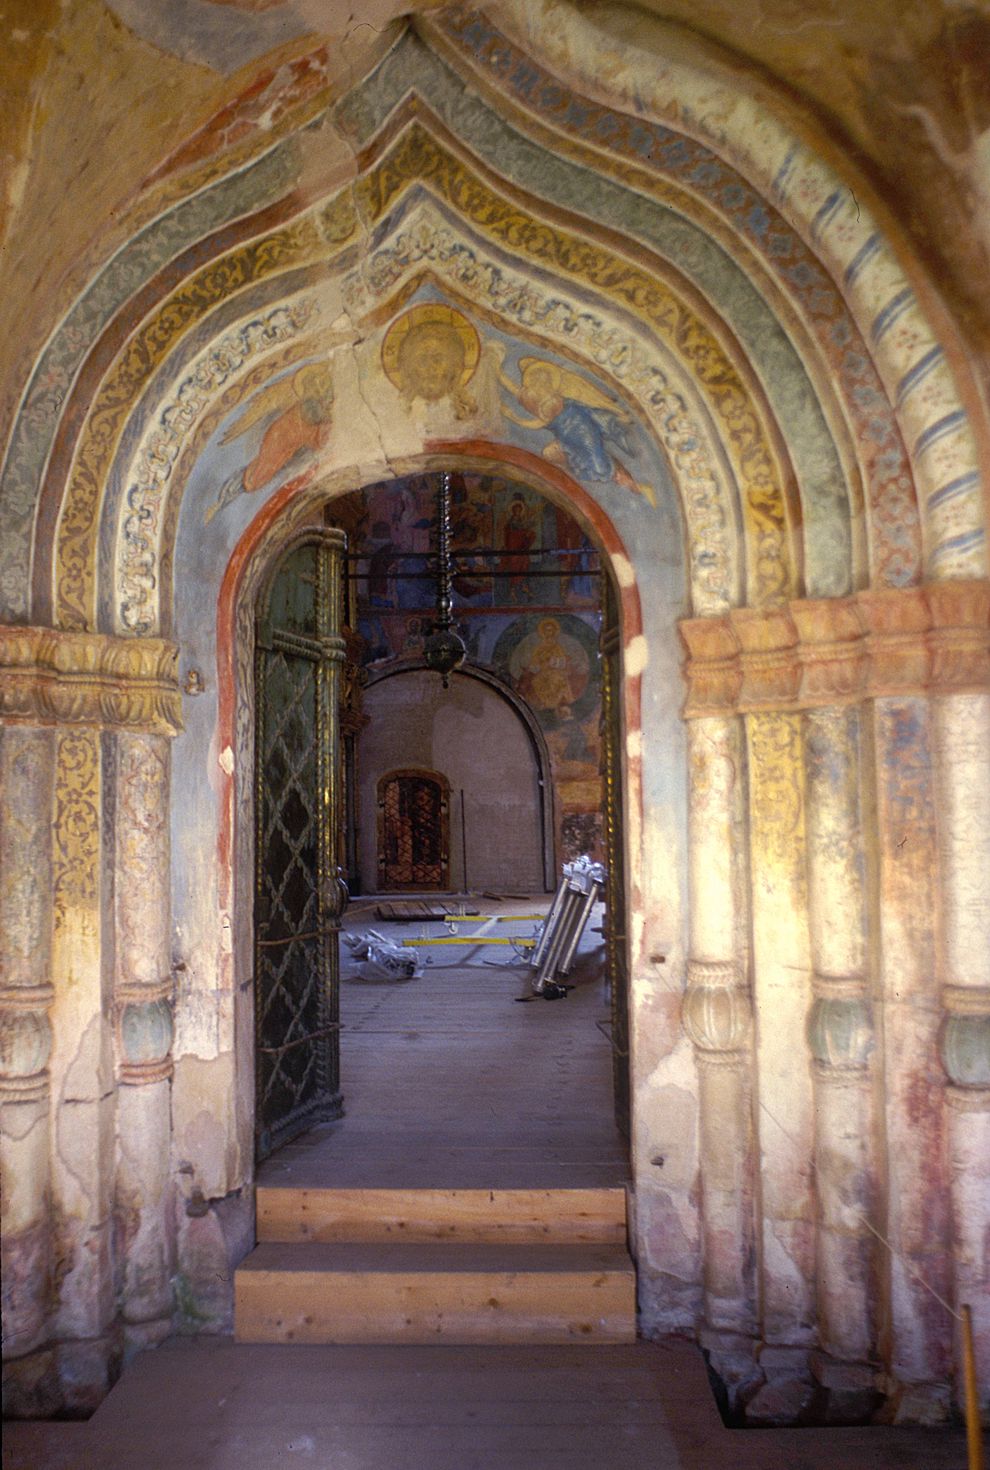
point(918, 1223)
point(26, 781)
point(718, 1019)
point(67, 698)
point(840, 1034)
point(919, 658)
point(962, 742)
point(142, 1007)
point(82, 1071)
point(781, 995)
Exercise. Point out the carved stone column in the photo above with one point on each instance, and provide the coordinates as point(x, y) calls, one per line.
point(142, 1005)
point(781, 991)
point(916, 663)
point(917, 1335)
point(717, 1016)
point(90, 689)
point(82, 1075)
point(962, 744)
point(26, 780)
point(841, 1038)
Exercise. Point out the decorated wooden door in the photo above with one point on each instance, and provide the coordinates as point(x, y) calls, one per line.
point(615, 884)
point(299, 894)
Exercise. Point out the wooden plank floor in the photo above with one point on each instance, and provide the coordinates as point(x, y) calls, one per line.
point(209, 1404)
point(420, 910)
point(448, 1083)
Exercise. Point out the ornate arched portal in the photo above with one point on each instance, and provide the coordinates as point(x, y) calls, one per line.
point(227, 847)
point(675, 315)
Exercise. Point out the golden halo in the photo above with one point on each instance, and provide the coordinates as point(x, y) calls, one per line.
point(429, 314)
point(313, 372)
point(550, 368)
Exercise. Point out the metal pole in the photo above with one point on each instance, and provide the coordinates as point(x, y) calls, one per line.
point(549, 923)
point(580, 919)
point(464, 842)
point(974, 1434)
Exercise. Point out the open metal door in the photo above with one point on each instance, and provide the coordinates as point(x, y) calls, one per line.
point(616, 941)
point(299, 893)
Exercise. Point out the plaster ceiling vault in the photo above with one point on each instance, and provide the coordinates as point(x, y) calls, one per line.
point(828, 418)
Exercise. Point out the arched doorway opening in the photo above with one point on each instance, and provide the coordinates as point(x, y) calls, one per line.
point(413, 830)
point(536, 646)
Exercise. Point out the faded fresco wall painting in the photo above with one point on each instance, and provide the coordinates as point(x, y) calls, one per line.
point(526, 597)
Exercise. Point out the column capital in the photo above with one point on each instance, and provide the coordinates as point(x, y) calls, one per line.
point(815, 652)
point(52, 677)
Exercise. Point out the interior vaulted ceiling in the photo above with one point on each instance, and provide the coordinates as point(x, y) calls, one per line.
point(676, 182)
point(904, 85)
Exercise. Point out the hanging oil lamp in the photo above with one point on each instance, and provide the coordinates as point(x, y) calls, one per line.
point(444, 649)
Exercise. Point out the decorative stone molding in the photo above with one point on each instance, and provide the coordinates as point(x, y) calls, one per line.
point(53, 677)
point(766, 638)
point(968, 1099)
point(717, 1012)
point(965, 1042)
point(25, 1042)
point(840, 1031)
point(145, 1031)
point(966, 1000)
point(810, 653)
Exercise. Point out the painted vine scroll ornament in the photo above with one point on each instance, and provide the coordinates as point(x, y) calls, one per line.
point(586, 426)
point(297, 412)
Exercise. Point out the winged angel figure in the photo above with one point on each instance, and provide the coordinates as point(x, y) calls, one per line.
point(586, 426)
point(298, 413)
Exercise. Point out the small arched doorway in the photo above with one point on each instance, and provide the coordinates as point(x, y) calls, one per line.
point(413, 830)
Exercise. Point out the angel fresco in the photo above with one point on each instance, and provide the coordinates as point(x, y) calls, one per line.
point(586, 426)
point(298, 413)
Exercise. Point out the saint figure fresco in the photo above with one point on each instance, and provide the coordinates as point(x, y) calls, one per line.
point(552, 677)
point(298, 413)
point(518, 538)
point(586, 426)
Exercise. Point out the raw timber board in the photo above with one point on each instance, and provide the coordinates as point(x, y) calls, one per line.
point(415, 911)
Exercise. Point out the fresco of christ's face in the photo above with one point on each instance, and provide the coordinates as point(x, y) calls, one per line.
point(431, 360)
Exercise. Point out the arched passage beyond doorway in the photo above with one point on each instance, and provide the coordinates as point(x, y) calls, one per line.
point(489, 747)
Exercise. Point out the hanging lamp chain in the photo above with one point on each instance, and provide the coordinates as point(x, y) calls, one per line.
point(445, 597)
point(444, 649)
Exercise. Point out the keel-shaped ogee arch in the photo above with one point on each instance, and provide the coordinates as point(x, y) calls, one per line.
point(838, 446)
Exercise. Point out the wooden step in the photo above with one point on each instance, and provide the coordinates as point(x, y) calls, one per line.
point(427, 1292)
point(564, 1216)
